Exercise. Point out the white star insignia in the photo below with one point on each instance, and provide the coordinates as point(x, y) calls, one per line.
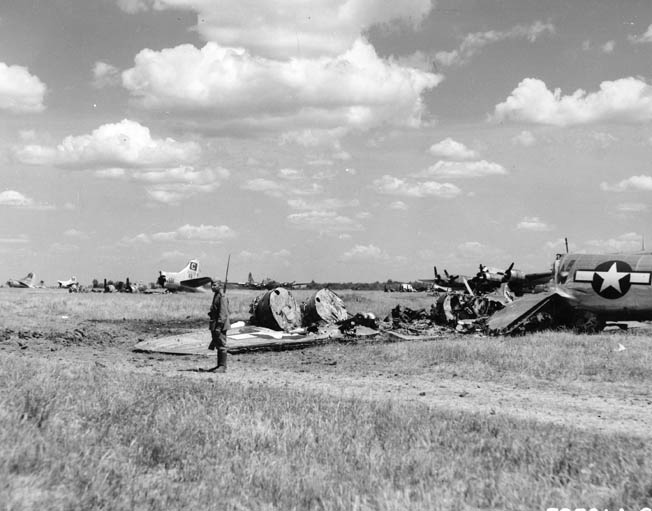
point(611, 278)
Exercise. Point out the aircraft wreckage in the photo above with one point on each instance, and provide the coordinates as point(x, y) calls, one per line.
point(584, 293)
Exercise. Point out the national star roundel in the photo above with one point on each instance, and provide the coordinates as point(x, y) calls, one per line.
point(612, 279)
point(612, 285)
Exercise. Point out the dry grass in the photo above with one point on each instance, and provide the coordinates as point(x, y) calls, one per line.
point(86, 437)
point(80, 435)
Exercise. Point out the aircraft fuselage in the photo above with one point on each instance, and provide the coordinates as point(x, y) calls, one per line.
point(614, 287)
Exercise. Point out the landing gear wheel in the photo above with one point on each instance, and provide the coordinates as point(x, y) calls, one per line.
point(587, 323)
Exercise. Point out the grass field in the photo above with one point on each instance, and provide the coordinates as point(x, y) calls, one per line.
point(86, 424)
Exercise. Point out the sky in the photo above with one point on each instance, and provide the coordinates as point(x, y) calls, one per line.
point(326, 140)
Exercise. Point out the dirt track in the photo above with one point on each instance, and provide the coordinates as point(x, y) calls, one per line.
point(620, 409)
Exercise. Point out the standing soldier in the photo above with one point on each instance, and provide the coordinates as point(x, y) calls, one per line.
point(219, 324)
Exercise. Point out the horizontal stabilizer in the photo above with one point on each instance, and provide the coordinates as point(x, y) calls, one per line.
point(198, 282)
point(516, 314)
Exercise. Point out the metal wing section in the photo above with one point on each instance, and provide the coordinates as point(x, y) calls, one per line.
point(529, 312)
point(198, 282)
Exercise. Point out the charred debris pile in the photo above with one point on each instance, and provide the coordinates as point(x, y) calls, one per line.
point(451, 311)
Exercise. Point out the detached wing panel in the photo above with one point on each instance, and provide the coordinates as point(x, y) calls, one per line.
point(519, 312)
point(198, 282)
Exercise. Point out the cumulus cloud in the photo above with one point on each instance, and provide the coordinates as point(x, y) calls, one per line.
point(105, 75)
point(390, 185)
point(199, 233)
point(473, 43)
point(127, 150)
point(126, 144)
point(608, 47)
point(632, 207)
point(322, 204)
point(356, 89)
point(398, 205)
point(533, 223)
point(20, 91)
point(278, 190)
point(524, 138)
point(363, 254)
point(627, 242)
point(463, 169)
point(290, 28)
point(324, 222)
point(646, 37)
point(641, 182)
point(14, 199)
point(452, 150)
point(626, 99)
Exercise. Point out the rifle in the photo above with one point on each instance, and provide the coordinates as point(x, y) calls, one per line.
point(226, 277)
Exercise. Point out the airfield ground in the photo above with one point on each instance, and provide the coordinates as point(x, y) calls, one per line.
point(461, 422)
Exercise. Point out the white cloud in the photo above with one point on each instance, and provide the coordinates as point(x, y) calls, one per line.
point(473, 43)
point(452, 150)
point(322, 204)
point(290, 28)
point(524, 138)
point(275, 189)
point(626, 99)
point(463, 169)
point(20, 91)
point(533, 223)
point(207, 233)
point(126, 144)
point(608, 47)
point(75, 233)
point(390, 185)
point(356, 89)
point(632, 207)
point(325, 222)
point(641, 182)
point(127, 150)
point(643, 38)
point(105, 75)
point(20, 239)
point(14, 199)
point(627, 242)
point(398, 205)
point(363, 254)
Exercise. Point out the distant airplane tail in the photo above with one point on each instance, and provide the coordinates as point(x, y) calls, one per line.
point(250, 279)
point(191, 271)
point(29, 280)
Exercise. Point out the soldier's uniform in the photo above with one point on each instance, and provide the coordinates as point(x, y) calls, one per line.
point(218, 325)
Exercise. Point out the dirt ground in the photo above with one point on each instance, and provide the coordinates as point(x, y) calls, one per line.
point(620, 409)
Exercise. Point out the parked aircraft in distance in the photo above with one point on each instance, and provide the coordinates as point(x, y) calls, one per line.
point(587, 291)
point(518, 281)
point(187, 279)
point(488, 279)
point(449, 282)
point(266, 283)
point(29, 281)
point(68, 283)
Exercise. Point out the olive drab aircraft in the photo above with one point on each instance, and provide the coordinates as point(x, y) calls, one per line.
point(587, 291)
point(187, 279)
point(29, 281)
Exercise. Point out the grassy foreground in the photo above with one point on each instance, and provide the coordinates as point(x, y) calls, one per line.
point(88, 437)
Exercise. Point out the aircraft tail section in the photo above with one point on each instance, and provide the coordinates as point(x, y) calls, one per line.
point(191, 271)
point(29, 280)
